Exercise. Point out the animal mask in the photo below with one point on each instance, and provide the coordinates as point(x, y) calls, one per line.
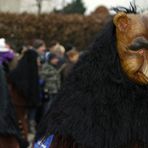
point(132, 44)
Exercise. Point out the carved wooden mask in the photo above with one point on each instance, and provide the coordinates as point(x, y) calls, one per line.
point(132, 44)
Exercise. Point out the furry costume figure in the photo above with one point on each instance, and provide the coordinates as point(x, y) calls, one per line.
point(10, 136)
point(101, 105)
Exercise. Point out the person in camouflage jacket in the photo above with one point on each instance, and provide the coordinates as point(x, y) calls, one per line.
point(51, 76)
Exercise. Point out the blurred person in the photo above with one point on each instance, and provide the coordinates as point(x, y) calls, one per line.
point(10, 134)
point(50, 49)
point(51, 77)
point(6, 54)
point(40, 47)
point(24, 88)
point(44, 95)
point(59, 51)
point(72, 57)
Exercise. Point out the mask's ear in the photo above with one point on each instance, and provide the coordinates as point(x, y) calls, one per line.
point(121, 21)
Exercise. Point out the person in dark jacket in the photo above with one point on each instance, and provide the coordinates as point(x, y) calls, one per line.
point(10, 134)
point(24, 86)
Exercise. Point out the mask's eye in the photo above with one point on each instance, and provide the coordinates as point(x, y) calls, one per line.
point(139, 43)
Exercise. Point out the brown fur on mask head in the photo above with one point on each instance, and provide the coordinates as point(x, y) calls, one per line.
point(132, 43)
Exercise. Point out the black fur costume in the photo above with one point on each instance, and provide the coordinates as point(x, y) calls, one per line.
point(98, 106)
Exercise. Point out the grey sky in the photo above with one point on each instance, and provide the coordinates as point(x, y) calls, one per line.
point(92, 4)
point(49, 5)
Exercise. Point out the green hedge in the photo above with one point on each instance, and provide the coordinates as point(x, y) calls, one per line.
point(75, 29)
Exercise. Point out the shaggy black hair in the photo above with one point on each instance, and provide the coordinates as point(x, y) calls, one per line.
point(131, 9)
point(98, 106)
point(25, 77)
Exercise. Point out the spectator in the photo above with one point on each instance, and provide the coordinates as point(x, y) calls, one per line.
point(10, 134)
point(6, 54)
point(51, 47)
point(51, 76)
point(72, 57)
point(40, 47)
point(59, 51)
point(25, 89)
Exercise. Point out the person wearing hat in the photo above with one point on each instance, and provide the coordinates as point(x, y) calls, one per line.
point(6, 54)
point(10, 134)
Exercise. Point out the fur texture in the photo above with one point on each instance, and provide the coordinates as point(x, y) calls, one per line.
point(24, 78)
point(99, 106)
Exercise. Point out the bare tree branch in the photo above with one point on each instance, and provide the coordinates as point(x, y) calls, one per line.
point(39, 4)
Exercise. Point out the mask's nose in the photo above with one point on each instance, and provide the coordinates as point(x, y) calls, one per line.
point(139, 43)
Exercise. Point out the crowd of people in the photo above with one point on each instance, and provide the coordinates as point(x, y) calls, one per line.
point(34, 77)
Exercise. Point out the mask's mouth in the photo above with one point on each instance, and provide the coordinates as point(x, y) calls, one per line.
point(139, 43)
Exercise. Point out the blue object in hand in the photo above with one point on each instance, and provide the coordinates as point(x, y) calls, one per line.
point(44, 144)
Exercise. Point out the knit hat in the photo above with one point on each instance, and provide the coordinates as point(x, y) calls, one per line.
point(3, 47)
